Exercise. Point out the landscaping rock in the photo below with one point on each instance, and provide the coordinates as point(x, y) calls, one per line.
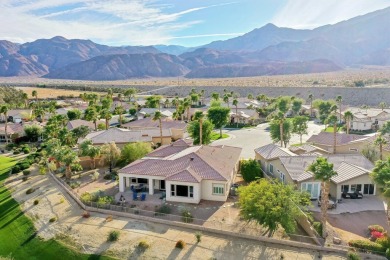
point(336, 240)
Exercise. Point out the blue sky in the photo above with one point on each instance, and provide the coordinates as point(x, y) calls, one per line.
point(183, 22)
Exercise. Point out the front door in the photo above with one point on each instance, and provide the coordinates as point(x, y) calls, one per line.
point(162, 185)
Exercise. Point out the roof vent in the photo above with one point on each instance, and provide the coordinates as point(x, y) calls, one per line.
point(191, 158)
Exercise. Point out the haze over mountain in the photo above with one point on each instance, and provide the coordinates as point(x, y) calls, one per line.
point(269, 50)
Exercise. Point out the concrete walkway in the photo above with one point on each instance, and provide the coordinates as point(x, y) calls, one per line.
point(368, 203)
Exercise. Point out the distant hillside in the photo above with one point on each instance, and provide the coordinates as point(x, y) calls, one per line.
point(269, 50)
point(122, 66)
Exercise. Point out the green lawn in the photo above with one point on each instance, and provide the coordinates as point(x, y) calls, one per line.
point(17, 233)
point(329, 129)
point(216, 136)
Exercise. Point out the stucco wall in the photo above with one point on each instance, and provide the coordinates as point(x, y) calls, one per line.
point(177, 133)
point(195, 199)
point(277, 164)
point(364, 179)
point(345, 149)
point(207, 190)
point(166, 139)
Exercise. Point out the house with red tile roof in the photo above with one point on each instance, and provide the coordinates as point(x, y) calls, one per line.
point(186, 173)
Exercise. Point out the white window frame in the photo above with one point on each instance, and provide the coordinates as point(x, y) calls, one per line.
point(282, 177)
point(271, 168)
point(218, 189)
point(174, 190)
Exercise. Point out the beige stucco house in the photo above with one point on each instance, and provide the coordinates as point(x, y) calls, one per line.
point(186, 173)
point(177, 128)
point(266, 154)
point(352, 173)
point(121, 136)
point(244, 116)
point(367, 119)
point(345, 143)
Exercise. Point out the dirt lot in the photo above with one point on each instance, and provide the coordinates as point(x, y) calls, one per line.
point(50, 92)
point(89, 235)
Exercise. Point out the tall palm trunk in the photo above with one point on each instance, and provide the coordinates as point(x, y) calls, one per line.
point(281, 132)
point(6, 127)
point(188, 115)
point(95, 122)
point(120, 118)
point(347, 126)
point(324, 205)
point(311, 108)
point(237, 115)
point(68, 172)
point(334, 137)
point(106, 124)
point(200, 131)
point(161, 135)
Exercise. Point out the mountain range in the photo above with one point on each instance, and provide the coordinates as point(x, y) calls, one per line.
point(269, 50)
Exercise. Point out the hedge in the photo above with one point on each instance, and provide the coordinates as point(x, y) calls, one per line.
point(367, 246)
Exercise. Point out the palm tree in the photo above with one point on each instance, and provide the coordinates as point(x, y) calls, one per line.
point(4, 110)
point(92, 115)
point(106, 114)
point(323, 171)
point(40, 112)
point(380, 141)
point(35, 94)
point(279, 117)
point(332, 120)
point(120, 97)
point(339, 100)
point(158, 116)
point(382, 105)
point(311, 104)
point(186, 106)
point(226, 99)
point(120, 110)
point(25, 99)
point(130, 93)
point(250, 96)
point(348, 117)
point(200, 116)
point(110, 93)
point(88, 149)
point(215, 96)
point(235, 103)
point(381, 176)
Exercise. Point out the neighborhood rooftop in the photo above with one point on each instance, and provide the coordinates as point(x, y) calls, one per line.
point(326, 138)
point(271, 151)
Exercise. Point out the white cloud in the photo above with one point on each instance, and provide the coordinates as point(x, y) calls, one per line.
point(115, 21)
point(314, 13)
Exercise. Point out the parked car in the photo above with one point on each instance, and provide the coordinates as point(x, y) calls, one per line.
point(352, 195)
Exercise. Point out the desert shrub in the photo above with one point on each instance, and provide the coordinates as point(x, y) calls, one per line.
point(250, 170)
point(16, 152)
point(143, 245)
point(109, 218)
point(367, 246)
point(198, 236)
point(388, 253)
point(62, 200)
point(164, 209)
point(107, 177)
point(105, 200)
point(376, 228)
point(74, 184)
point(15, 169)
point(29, 191)
point(384, 241)
point(25, 178)
point(95, 175)
point(26, 150)
point(9, 146)
point(86, 214)
point(88, 197)
point(24, 165)
point(36, 202)
point(317, 227)
point(353, 256)
point(113, 236)
point(180, 244)
point(26, 172)
point(53, 219)
point(187, 216)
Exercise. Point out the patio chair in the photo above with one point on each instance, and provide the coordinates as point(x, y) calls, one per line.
point(143, 196)
point(132, 188)
point(135, 196)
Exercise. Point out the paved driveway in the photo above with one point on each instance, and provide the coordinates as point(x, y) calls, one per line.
point(252, 138)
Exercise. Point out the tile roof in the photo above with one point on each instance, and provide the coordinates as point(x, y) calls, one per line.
point(187, 175)
point(205, 162)
point(271, 151)
point(325, 138)
point(306, 148)
point(168, 150)
point(149, 123)
point(296, 166)
point(15, 112)
point(348, 171)
point(79, 122)
point(118, 136)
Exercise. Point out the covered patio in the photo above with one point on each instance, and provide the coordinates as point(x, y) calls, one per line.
point(142, 184)
point(149, 203)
